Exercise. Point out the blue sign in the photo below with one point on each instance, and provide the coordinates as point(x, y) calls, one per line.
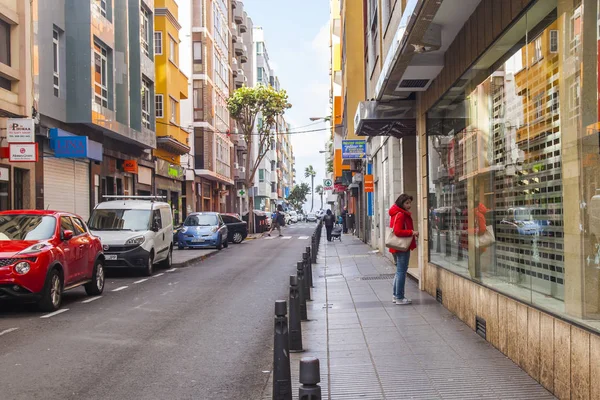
point(70, 147)
point(354, 149)
point(370, 194)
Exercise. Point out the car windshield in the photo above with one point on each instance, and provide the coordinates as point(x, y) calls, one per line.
point(120, 220)
point(201, 220)
point(27, 227)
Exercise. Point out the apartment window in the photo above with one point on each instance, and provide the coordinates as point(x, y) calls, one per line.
point(273, 163)
point(197, 47)
point(553, 41)
point(146, 103)
point(261, 74)
point(144, 31)
point(273, 187)
point(56, 60)
point(537, 49)
point(158, 44)
point(260, 48)
point(173, 109)
point(539, 106)
point(100, 75)
point(101, 4)
point(172, 50)
point(158, 99)
point(4, 42)
point(261, 175)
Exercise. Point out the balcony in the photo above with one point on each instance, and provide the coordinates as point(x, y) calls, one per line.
point(239, 173)
point(244, 55)
point(238, 48)
point(175, 141)
point(242, 25)
point(241, 79)
point(238, 12)
point(239, 142)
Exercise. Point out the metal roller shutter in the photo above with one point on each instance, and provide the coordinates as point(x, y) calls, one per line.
point(67, 186)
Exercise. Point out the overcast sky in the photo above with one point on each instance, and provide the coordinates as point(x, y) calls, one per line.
point(297, 39)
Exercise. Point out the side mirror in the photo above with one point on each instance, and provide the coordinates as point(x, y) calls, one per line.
point(67, 235)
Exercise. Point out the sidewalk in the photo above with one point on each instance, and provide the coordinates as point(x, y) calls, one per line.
point(370, 348)
point(184, 258)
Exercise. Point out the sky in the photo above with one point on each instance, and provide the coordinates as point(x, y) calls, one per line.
point(297, 39)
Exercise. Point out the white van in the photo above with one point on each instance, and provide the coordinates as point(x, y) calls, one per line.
point(134, 232)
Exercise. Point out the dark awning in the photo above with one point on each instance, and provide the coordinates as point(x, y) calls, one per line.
point(394, 118)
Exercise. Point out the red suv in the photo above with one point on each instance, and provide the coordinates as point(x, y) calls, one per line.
point(43, 253)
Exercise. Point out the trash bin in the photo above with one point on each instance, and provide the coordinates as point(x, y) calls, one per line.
point(260, 221)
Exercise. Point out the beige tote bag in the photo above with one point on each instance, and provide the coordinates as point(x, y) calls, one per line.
point(400, 243)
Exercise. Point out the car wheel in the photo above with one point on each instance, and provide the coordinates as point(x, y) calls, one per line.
point(167, 262)
point(149, 269)
point(238, 238)
point(180, 247)
point(52, 294)
point(96, 286)
point(220, 245)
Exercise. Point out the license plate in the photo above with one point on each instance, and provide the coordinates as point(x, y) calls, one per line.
point(110, 256)
point(197, 240)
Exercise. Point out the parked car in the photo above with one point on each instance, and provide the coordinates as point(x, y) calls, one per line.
point(237, 230)
point(301, 217)
point(203, 229)
point(293, 216)
point(319, 214)
point(44, 252)
point(134, 233)
point(311, 217)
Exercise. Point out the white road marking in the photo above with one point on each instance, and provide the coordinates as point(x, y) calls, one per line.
point(286, 237)
point(303, 237)
point(55, 313)
point(269, 238)
point(141, 280)
point(8, 331)
point(172, 270)
point(157, 275)
point(91, 299)
point(120, 288)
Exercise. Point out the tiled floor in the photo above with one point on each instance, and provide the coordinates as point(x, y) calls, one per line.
point(370, 348)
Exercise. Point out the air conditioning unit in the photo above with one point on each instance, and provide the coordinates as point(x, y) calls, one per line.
point(236, 165)
point(243, 169)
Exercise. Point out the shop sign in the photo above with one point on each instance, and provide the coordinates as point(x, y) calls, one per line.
point(340, 188)
point(354, 149)
point(70, 146)
point(4, 174)
point(130, 166)
point(175, 171)
point(23, 152)
point(20, 130)
point(327, 184)
point(368, 184)
point(144, 176)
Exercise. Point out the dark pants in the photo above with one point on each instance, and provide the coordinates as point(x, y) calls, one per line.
point(328, 229)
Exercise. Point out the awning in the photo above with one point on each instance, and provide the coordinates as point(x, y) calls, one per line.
point(396, 118)
point(172, 145)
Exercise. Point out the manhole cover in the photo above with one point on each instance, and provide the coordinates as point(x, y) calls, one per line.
point(381, 277)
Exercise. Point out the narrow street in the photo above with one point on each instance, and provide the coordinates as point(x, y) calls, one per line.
point(199, 332)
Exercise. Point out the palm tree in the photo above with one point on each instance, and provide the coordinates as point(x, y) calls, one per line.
point(319, 190)
point(310, 172)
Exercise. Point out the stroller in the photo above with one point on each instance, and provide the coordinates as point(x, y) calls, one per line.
point(336, 232)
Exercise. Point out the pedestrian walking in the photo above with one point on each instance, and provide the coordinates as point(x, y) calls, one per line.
point(402, 224)
point(329, 221)
point(277, 220)
point(344, 219)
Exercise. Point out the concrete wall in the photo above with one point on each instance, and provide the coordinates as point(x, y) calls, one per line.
point(79, 47)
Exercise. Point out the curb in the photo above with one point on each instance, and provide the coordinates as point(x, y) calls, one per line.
point(201, 258)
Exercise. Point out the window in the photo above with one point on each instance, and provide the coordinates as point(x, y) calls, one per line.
point(261, 175)
point(79, 226)
point(173, 109)
point(100, 75)
point(537, 49)
point(172, 50)
point(56, 59)
point(101, 4)
point(66, 225)
point(146, 103)
point(538, 103)
point(260, 48)
point(159, 105)
point(273, 163)
point(273, 187)
point(144, 31)
point(553, 41)
point(260, 74)
point(5, 51)
point(158, 43)
point(19, 190)
point(156, 220)
point(197, 47)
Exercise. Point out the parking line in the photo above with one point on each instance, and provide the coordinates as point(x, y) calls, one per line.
point(120, 288)
point(286, 237)
point(141, 280)
point(91, 299)
point(8, 331)
point(62, 310)
point(172, 270)
point(157, 275)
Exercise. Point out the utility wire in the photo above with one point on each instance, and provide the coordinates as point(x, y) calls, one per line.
point(280, 133)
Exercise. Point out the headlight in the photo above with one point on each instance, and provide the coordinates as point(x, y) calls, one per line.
point(184, 229)
point(22, 268)
point(136, 240)
point(216, 228)
point(36, 248)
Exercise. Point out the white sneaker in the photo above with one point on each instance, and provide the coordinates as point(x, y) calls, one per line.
point(393, 301)
point(403, 302)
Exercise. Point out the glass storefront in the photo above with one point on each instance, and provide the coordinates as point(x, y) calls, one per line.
point(514, 164)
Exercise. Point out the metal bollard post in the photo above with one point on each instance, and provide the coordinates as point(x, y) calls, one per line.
point(282, 379)
point(307, 294)
point(309, 267)
point(310, 376)
point(295, 322)
point(314, 250)
point(300, 273)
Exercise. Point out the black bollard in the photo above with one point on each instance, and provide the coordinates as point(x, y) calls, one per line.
point(314, 250)
point(295, 322)
point(305, 265)
point(303, 311)
point(282, 379)
point(310, 376)
point(309, 265)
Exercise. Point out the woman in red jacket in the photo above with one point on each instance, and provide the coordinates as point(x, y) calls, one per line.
point(402, 224)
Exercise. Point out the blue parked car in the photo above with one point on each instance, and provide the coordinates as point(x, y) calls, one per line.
point(202, 229)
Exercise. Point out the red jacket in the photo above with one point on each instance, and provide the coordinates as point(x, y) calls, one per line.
point(402, 224)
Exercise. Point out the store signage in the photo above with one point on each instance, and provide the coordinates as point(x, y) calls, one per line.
point(368, 184)
point(327, 184)
point(354, 149)
point(23, 152)
point(70, 146)
point(20, 130)
point(340, 188)
point(130, 166)
point(175, 171)
point(4, 174)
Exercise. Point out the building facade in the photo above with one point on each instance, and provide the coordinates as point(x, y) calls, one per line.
point(486, 112)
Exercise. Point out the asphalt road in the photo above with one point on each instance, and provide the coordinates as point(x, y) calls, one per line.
point(200, 332)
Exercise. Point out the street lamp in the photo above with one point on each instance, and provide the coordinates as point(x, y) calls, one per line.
point(328, 118)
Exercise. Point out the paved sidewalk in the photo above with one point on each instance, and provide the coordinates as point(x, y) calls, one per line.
point(184, 258)
point(370, 348)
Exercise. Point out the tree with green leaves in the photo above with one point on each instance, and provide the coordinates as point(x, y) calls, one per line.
point(297, 196)
point(310, 172)
point(319, 190)
point(245, 106)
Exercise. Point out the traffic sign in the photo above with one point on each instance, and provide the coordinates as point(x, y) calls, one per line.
point(327, 184)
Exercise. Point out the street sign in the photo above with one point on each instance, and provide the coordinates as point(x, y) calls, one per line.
point(327, 184)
